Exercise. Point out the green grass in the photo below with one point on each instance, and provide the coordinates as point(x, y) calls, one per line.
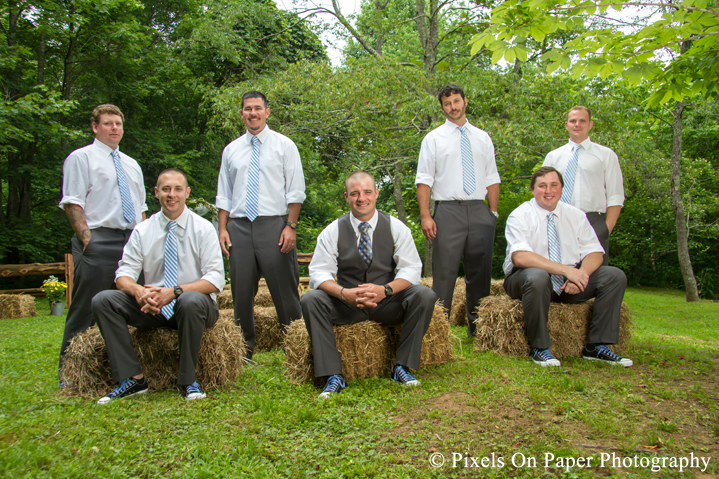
point(483, 410)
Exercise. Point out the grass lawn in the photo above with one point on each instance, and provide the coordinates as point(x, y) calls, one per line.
point(488, 415)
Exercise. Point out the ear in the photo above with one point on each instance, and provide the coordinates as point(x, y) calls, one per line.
point(157, 192)
point(187, 193)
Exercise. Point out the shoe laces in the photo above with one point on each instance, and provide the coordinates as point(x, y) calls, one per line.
point(543, 354)
point(606, 350)
point(125, 384)
point(194, 388)
point(334, 384)
point(402, 374)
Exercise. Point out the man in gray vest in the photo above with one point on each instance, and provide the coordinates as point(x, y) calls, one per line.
point(377, 269)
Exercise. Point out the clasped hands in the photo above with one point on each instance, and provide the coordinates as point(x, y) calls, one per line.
point(577, 281)
point(363, 296)
point(153, 298)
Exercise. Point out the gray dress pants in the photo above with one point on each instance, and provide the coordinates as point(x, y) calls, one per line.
point(94, 272)
point(255, 252)
point(465, 233)
point(115, 310)
point(534, 287)
point(599, 223)
point(411, 307)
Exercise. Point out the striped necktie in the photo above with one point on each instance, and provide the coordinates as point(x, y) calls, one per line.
point(555, 252)
point(171, 266)
point(365, 244)
point(253, 180)
point(470, 183)
point(128, 207)
point(570, 174)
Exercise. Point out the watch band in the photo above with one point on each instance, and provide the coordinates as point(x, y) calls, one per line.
point(292, 224)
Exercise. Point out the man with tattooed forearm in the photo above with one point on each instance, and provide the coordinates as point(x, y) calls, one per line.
point(104, 198)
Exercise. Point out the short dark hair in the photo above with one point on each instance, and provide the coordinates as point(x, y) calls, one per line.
point(360, 173)
point(254, 94)
point(448, 90)
point(171, 170)
point(107, 109)
point(545, 170)
point(580, 108)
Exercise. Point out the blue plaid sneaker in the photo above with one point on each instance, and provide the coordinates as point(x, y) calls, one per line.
point(544, 358)
point(335, 385)
point(402, 375)
point(193, 391)
point(128, 387)
point(604, 354)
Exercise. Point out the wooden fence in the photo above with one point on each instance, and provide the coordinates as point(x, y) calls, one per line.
point(40, 269)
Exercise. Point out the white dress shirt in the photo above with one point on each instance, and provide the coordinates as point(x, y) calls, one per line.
point(324, 261)
point(599, 183)
point(198, 251)
point(90, 181)
point(440, 162)
point(527, 231)
point(281, 180)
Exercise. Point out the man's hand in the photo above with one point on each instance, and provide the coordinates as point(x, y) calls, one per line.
point(570, 288)
point(287, 240)
point(369, 295)
point(155, 298)
point(578, 277)
point(429, 227)
point(225, 243)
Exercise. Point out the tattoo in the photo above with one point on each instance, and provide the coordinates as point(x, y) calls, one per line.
point(76, 216)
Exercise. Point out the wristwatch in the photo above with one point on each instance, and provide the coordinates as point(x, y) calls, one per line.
point(388, 290)
point(178, 291)
point(292, 224)
point(494, 213)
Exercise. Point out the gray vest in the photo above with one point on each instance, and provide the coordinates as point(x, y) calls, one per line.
point(351, 268)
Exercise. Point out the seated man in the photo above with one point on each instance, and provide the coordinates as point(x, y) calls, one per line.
point(553, 254)
point(378, 272)
point(180, 256)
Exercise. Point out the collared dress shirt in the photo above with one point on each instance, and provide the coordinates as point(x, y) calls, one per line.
point(198, 251)
point(90, 181)
point(324, 262)
point(527, 231)
point(440, 162)
point(281, 179)
point(599, 183)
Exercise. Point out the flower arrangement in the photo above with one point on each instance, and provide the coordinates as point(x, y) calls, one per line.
point(54, 289)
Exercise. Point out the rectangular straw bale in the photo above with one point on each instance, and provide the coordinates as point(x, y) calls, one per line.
point(87, 370)
point(224, 300)
point(268, 332)
point(497, 287)
point(458, 315)
point(437, 344)
point(263, 298)
point(13, 306)
point(501, 327)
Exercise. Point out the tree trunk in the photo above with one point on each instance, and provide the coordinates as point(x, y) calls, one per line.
point(428, 29)
point(685, 262)
point(397, 192)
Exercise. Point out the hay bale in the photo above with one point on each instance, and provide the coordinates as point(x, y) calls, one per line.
point(224, 300)
point(501, 327)
point(87, 368)
point(268, 332)
point(368, 349)
point(263, 297)
point(14, 306)
point(458, 315)
point(497, 287)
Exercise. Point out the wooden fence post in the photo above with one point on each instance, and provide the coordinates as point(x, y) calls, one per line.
point(69, 275)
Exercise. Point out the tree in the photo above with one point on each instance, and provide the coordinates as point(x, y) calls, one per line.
point(670, 46)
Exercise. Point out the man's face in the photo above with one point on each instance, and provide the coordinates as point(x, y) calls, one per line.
point(361, 194)
point(547, 191)
point(255, 115)
point(578, 125)
point(453, 107)
point(172, 191)
point(109, 129)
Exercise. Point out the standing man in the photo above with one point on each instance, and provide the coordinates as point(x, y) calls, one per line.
point(378, 271)
point(456, 162)
point(554, 255)
point(178, 253)
point(104, 199)
point(592, 176)
point(259, 194)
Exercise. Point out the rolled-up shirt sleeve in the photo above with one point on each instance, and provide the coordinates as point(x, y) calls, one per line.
point(323, 266)
point(491, 174)
point(224, 185)
point(614, 182)
point(406, 257)
point(131, 263)
point(75, 181)
point(211, 264)
point(294, 176)
point(517, 233)
point(426, 163)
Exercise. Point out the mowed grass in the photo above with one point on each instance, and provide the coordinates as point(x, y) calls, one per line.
point(486, 415)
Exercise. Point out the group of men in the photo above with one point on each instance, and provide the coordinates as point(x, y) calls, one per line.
point(165, 271)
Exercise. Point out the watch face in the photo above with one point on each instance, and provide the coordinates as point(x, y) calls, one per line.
point(387, 290)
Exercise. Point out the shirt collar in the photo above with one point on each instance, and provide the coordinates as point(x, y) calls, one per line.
point(542, 213)
point(453, 126)
point(103, 147)
point(180, 220)
point(372, 221)
point(586, 144)
point(262, 136)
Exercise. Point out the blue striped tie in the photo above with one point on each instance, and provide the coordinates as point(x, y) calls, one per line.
point(555, 252)
point(128, 207)
point(253, 180)
point(570, 174)
point(171, 266)
point(365, 244)
point(470, 183)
